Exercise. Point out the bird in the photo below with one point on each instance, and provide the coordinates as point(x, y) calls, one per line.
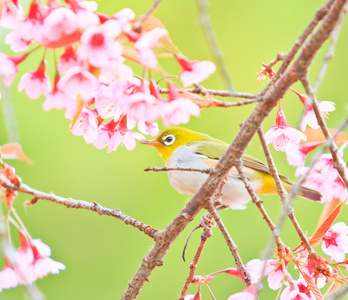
point(184, 148)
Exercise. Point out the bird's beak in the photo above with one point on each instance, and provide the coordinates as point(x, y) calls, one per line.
point(150, 143)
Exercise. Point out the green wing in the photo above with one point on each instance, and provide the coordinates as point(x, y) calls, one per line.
point(214, 149)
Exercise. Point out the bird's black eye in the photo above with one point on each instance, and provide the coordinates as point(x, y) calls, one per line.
point(169, 139)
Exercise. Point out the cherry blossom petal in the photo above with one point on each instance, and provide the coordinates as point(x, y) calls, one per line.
point(194, 71)
point(146, 43)
point(178, 111)
point(335, 242)
point(8, 70)
point(78, 81)
point(35, 83)
point(98, 44)
point(86, 125)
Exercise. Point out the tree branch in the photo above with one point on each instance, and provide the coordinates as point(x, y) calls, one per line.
point(79, 204)
point(207, 233)
point(236, 149)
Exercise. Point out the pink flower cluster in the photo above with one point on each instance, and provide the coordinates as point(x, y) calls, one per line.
point(309, 281)
point(32, 262)
point(93, 81)
point(324, 177)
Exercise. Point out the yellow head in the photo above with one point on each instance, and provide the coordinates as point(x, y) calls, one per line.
point(172, 138)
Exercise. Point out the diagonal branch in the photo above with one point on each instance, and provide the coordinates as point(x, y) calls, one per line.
point(235, 151)
point(207, 233)
point(79, 204)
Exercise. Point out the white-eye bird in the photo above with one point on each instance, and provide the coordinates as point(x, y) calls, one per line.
point(184, 148)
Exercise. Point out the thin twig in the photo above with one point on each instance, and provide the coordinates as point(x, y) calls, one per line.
point(213, 43)
point(80, 204)
point(338, 163)
point(153, 6)
point(231, 245)
point(207, 232)
point(221, 93)
point(166, 169)
point(283, 194)
point(256, 200)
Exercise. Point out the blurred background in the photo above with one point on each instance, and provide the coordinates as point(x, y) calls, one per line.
point(101, 253)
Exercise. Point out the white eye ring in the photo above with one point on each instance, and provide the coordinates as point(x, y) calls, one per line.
point(169, 139)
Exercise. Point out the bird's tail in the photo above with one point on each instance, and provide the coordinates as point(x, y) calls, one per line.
point(304, 192)
point(309, 194)
point(269, 187)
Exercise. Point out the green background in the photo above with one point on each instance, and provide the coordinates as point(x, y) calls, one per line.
point(101, 253)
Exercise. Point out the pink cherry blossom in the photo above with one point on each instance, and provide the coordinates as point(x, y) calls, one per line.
point(106, 102)
point(178, 111)
point(78, 82)
point(86, 18)
point(91, 6)
point(123, 17)
point(12, 12)
point(335, 242)
point(296, 155)
point(194, 71)
point(259, 269)
point(26, 31)
point(32, 262)
point(98, 44)
point(146, 43)
point(9, 68)
point(148, 128)
point(317, 181)
point(9, 278)
point(325, 163)
point(309, 118)
point(310, 268)
point(57, 100)
point(282, 135)
point(339, 189)
point(279, 275)
point(189, 297)
point(68, 60)
point(35, 83)
point(105, 133)
point(202, 279)
point(115, 69)
point(35, 259)
point(86, 125)
point(59, 28)
point(248, 294)
point(297, 290)
point(141, 105)
point(124, 135)
point(84, 11)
